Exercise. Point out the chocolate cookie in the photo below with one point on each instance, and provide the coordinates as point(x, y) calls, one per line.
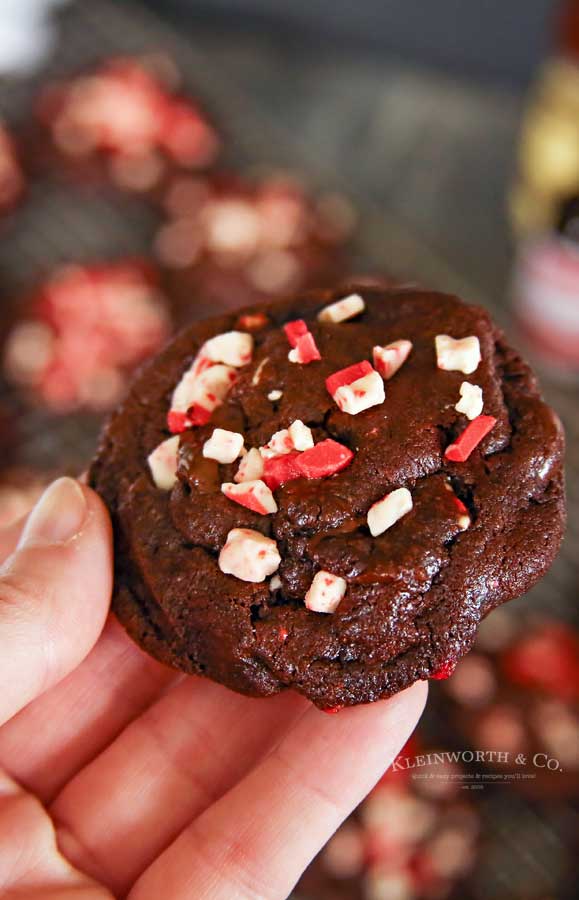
point(319, 521)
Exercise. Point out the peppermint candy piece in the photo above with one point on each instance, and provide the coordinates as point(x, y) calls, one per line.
point(297, 437)
point(457, 355)
point(254, 495)
point(198, 394)
point(305, 350)
point(295, 330)
point(250, 467)
point(471, 403)
point(326, 592)
point(347, 376)
point(361, 394)
point(234, 348)
point(279, 470)
point(342, 310)
point(386, 512)
point(301, 435)
point(388, 359)
point(253, 321)
point(249, 555)
point(275, 395)
point(163, 463)
point(470, 438)
point(325, 459)
point(223, 446)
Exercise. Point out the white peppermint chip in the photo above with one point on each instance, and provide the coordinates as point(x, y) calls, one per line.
point(383, 514)
point(234, 348)
point(326, 592)
point(301, 436)
point(471, 402)
point(250, 467)
point(206, 386)
point(163, 463)
point(249, 556)
point(275, 583)
point(460, 355)
point(253, 495)
point(275, 395)
point(279, 444)
point(388, 359)
point(257, 374)
point(224, 446)
point(360, 394)
point(343, 309)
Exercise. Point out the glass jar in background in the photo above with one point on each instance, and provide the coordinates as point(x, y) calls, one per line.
point(544, 207)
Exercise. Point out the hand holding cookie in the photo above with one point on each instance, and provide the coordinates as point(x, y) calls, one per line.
point(120, 777)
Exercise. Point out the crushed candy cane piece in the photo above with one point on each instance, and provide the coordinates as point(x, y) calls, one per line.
point(471, 402)
point(464, 519)
point(198, 395)
point(234, 348)
point(254, 495)
point(280, 469)
point(326, 458)
point(278, 444)
point(470, 438)
point(249, 555)
point(163, 463)
point(457, 355)
point(445, 671)
point(326, 592)
point(347, 376)
point(275, 395)
point(257, 374)
point(343, 309)
point(301, 436)
point(223, 446)
point(386, 512)
point(388, 359)
point(360, 395)
point(294, 330)
point(305, 350)
point(250, 467)
point(275, 584)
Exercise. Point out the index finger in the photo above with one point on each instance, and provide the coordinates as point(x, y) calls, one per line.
point(257, 839)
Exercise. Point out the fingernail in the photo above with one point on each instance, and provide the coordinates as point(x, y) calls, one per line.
point(58, 516)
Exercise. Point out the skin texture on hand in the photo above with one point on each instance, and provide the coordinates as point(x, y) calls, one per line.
point(119, 777)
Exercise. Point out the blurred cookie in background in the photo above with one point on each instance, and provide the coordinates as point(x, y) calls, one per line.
point(230, 240)
point(125, 120)
point(518, 692)
point(415, 836)
point(83, 331)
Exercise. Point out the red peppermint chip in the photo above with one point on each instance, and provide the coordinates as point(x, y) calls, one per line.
point(470, 438)
point(252, 321)
point(179, 421)
point(332, 710)
point(280, 469)
point(295, 330)
point(326, 458)
point(305, 350)
point(347, 376)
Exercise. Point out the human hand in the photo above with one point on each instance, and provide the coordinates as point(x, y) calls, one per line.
point(120, 777)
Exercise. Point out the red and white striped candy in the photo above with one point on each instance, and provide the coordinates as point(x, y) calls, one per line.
point(305, 350)
point(326, 592)
point(383, 514)
point(163, 463)
point(250, 467)
point(249, 556)
point(234, 348)
point(254, 495)
point(361, 394)
point(388, 359)
point(471, 402)
point(457, 355)
point(224, 446)
point(205, 391)
point(297, 437)
point(342, 310)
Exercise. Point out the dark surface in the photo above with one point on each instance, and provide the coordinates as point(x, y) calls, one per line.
point(417, 592)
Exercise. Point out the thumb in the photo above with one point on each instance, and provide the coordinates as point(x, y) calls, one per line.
point(54, 592)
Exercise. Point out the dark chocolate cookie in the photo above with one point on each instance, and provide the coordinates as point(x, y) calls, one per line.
point(382, 509)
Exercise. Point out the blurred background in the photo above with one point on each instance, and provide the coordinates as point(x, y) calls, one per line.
point(163, 160)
